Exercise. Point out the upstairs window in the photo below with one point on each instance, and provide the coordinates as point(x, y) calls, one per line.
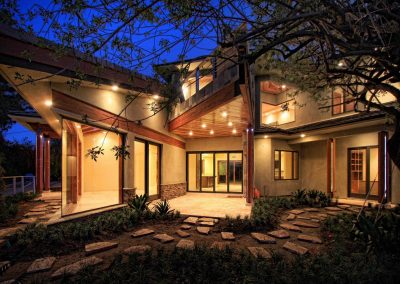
point(286, 165)
point(275, 115)
point(341, 103)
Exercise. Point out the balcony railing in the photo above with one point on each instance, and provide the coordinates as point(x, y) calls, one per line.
point(18, 184)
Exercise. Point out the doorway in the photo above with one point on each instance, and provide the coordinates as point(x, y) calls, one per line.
point(147, 160)
point(220, 172)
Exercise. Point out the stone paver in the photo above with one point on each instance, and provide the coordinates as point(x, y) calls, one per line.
point(305, 224)
point(333, 213)
point(263, 238)
point(99, 247)
point(185, 244)
point(30, 220)
point(77, 266)
point(38, 209)
point(343, 206)
point(303, 218)
point(4, 233)
point(309, 239)
point(296, 211)
point(191, 220)
point(228, 236)
point(163, 238)
point(311, 209)
point(354, 210)
point(290, 227)
point(322, 215)
point(35, 214)
point(291, 217)
point(139, 249)
point(220, 245)
point(4, 265)
point(259, 252)
point(207, 224)
point(295, 248)
point(203, 230)
point(41, 264)
point(207, 219)
point(182, 234)
point(186, 227)
point(329, 208)
point(279, 234)
point(142, 233)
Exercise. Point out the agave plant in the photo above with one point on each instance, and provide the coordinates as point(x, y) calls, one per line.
point(162, 208)
point(140, 204)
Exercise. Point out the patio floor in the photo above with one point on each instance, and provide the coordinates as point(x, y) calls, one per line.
point(211, 205)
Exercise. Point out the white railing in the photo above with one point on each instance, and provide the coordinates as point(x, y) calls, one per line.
point(17, 184)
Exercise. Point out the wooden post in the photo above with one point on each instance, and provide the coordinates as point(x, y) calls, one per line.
point(47, 164)
point(383, 168)
point(328, 166)
point(250, 165)
point(39, 162)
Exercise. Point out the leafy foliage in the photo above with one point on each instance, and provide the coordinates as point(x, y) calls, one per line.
point(121, 152)
point(312, 197)
point(9, 205)
point(163, 209)
point(95, 152)
point(140, 204)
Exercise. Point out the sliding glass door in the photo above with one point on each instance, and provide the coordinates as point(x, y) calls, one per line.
point(147, 168)
point(215, 172)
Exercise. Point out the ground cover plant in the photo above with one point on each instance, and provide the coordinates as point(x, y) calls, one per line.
point(9, 205)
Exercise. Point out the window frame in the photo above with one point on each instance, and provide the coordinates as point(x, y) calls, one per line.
point(293, 165)
point(342, 104)
point(275, 105)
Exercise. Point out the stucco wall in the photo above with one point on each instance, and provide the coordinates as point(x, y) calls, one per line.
point(313, 165)
point(214, 144)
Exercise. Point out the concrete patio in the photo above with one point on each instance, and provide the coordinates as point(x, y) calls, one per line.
point(211, 205)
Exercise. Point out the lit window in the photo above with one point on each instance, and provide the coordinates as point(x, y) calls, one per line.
point(341, 103)
point(286, 165)
point(278, 114)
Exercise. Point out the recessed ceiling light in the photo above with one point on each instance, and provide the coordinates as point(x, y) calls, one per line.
point(265, 136)
point(48, 103)
point(204, 125)
point(302, 135)
point(156, 97)
point(234, 131)
point(340, 64)
point(77, 126)
point(190, 133)
point(283, 86)
point(224, 114)
point(230, 123)
point(104, 132)
point(115, 87)
point(211, 132)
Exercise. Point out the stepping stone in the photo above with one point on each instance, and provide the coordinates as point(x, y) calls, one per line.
point(185, 227)
point(185, 244)
point(315, 220)
point(182, 234)
point(322, 215)
point(35, 214)
point(45, 217)
point(99, 247)
point(74, 268)
point(333, 209)
point(279, 234)
point(220, 245)
point(290, 217)
point(4, 233)
point(259, 252)
point(38, 210)
point(311, 209)
point(290, 227)
point(30, 220)
point(228, 236)
point(163, 238)
point(333, 213)
point(206, 219)
point(303, 218)
point(305, 224)
point(41, 264)
point(343, 206)
point(142, 233)
point(191, 220)
point(4, 265)
point(263, 238)
point(354, 210)
point(207, 224)
point(295, 248)
point(203, 230)
point(140, 249)
point(41, 206)
point(296, 211)
point(309, 239)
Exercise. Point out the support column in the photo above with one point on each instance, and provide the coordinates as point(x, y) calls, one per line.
point(383, 168)
point(330, 165)
point(39, 162)
point(250, 164)
point(47, 164)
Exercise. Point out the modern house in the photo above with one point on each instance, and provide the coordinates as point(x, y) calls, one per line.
point(235, 130)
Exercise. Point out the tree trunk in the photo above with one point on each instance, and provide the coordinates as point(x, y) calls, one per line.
point(394, 143)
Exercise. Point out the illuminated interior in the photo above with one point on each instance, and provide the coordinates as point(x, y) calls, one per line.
point(189, 87)
point(88, 184)
point(363, 171)
point(278, 114)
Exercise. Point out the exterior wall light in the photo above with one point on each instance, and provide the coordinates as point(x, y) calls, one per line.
point(48, 103)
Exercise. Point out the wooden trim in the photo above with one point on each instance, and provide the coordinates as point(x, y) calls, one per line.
point(70, 104)
point(39, 162)
point(120, 172)
point(47, 164)
point(250, 165)
point(334, 167)
point(216, 100)
point(329, 167)
point(383, 167)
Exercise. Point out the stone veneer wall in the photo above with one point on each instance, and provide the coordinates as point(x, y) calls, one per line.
point(128, 193)
point(169, 191)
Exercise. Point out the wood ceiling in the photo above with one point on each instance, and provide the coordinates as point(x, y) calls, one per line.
point(215, 121)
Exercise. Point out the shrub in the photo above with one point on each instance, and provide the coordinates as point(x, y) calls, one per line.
point(140, 204)
point(163, 209)
point(312, 197)
point(265, 213)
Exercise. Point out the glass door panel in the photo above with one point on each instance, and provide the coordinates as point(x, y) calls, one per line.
point(153, 175)
point(207, 172)
point(139, 167)
point(194, 163)
point(358, 171)
point(235, 172)
point(221, 172)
